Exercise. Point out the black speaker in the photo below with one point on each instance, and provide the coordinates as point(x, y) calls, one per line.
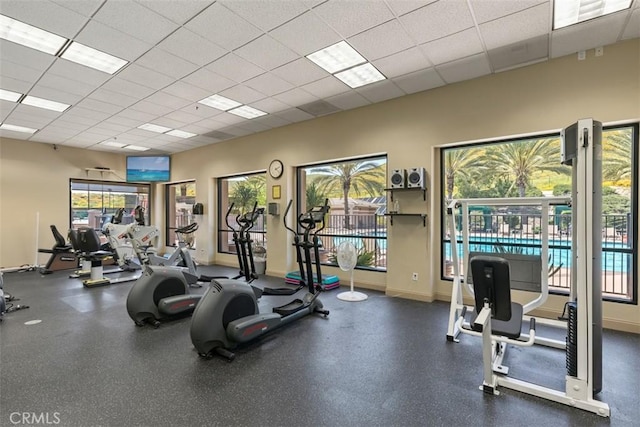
point(398, 178)
point(416, 178)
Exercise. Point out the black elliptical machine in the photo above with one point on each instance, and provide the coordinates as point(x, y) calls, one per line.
point(228, 314)
point(243, 242)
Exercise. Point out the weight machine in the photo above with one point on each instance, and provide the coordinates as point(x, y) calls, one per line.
point(581, 149)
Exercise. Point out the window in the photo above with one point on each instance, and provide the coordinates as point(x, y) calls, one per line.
point(93, 203)
point(531, 167)
point(355, 190)
point(243, 191)
point(180, 199)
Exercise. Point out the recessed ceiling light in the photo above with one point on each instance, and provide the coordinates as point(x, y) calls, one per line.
point(220, 102)
point(15, 128)
point(337, 57)
point(30, 36)
point(154, 128)
point(360, 75)
point(181, 133)
point(569, 12)
point(247, 112)
point(113, 144)
point(7, 95)
point(136, 148)
point(44, 103)
point(90, 57)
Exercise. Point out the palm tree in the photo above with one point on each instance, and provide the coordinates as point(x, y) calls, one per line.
point(616, 163)
point(243, 196)
point(461, 162)
point(314, 196)
point(519, 160)
point(361, 177)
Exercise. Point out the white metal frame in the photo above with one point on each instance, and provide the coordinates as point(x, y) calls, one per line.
point(579, 389)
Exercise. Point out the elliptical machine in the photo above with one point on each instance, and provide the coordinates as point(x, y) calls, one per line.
point(228, 313)
point(243, 242)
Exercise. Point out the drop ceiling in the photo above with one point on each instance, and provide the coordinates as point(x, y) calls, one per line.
point(254, 52)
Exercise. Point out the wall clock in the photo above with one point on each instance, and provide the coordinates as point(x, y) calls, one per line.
point(276, 169)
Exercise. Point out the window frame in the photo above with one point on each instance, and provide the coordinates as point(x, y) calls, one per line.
point(170, 228)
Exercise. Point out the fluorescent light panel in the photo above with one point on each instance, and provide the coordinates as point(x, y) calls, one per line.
point(337, 57)
point(44, 103)
point(361, 75)
point(220, 102)
point(136, 148)
point(113, 144)
point(247, 112)
point(181, 133)
point(569, 12)
point(154, 128)
point(30, 36)
point(5, 126)
point(8, 95)
point(90, 57)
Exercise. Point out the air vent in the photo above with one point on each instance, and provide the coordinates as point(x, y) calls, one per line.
point(319, 108)
point(219, 135)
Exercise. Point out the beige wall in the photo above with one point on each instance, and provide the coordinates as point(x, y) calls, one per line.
point(542, 97)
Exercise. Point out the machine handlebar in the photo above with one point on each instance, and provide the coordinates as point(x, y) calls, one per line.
point(188, 229)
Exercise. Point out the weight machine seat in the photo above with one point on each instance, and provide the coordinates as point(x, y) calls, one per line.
point(60, 245)
point(492, 283)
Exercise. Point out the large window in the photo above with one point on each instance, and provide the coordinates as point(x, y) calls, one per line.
point(93, 203)
point(180, 198)
point(531, 168)
point(355, 190)
point(243, 191)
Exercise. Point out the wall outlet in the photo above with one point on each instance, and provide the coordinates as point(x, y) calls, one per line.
point(414, 277)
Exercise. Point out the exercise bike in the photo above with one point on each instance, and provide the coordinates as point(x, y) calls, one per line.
point(243, 242)
point(228, 314)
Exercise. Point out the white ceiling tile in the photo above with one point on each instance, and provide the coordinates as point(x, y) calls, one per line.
point(80, 111)
point(437, 20)
point(72, 142)
point(270, 105)
point(83, 7)
point(80, 120)
point(268, 84)
point(586, 35)
point(123, 120)
point(402, 62)
point(9, 83)
point(401, 7)
point(488, 10)
point(300, 71)
point(294, 115)
point(66, 84)
point(145, 77)
point(186, 91)
point(113, 42)
point(25, 56)
point(455, 46)
point(169, 123)
point(168, 100)
point(208, 80)
point(45, 15)
point(54, 94)
point(113, 128)
point(34, 113)
point(24, 115)
point(125, 87)
point(211, 124)
point(255, 126)
point(419, 81)
point(14, 135)
point(133, 136)
point(464, 69)
point(191, 47)
point(79, 73)
point(100, 130)
point(520, 26)
point(219, 24)
point(237, 130)
point(272, 121)
point(200, 110)
point(142, 116)
point(308, 23)
point(266, 53)
point(349, 17)
point(348, 100)
point(178, 11)
point(229, 119)
point(383, 40)
point(101, 106)
point(632, 30)
point(133, 19)
point(266, 14)
point(89, 137)
point(519, 54)
point(5, 108)
point(199, 130)
point(151, 108)
point(380, 91)
point(57, 132)
point(235, 68)
point(166, 63)
point(20, 72)
point(114, 98)
point(77, 127)
point(328, 86)
point(242, 94)
point(295, 97)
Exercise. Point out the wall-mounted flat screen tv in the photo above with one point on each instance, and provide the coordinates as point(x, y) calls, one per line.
point(148, 168)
